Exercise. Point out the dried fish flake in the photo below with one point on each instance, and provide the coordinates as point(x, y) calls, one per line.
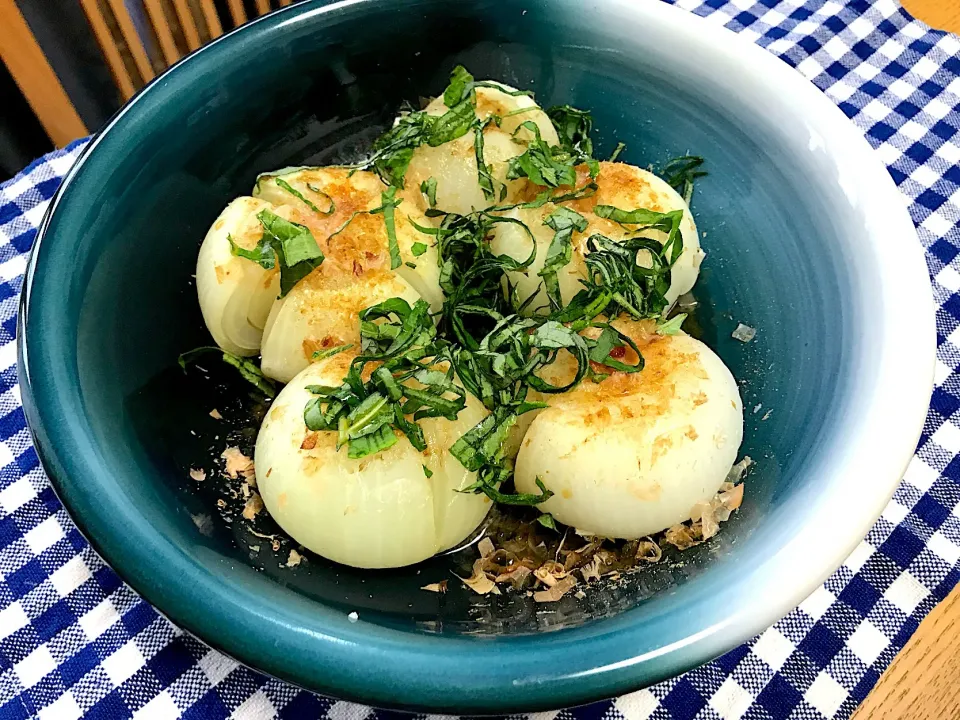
point(486, 547)
point(709, 523)
point(198, 475)
point(237, 464)
point(592, 571)
point(252, 506)
point(739, 470)
point(732, 499)
point(554, 593)
point(204, 523)
point(515, 577)
point(550, 573)
point(744, 333)
point(682, 536)
point(649, 551)
point(481, 584)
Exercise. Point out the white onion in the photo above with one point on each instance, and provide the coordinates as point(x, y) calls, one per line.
point(632, 455)
point(623, 186)
point(235, 294)
point(453, 164)
point(376, 512)
point(365, 238)
point(320, 312)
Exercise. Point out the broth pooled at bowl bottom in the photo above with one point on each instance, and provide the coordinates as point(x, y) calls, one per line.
point(480, 315)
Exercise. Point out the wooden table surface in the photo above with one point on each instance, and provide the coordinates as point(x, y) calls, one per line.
point(940, 14)
point(923, 683)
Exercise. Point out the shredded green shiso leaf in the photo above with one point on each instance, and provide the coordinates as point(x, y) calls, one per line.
point(248, 369)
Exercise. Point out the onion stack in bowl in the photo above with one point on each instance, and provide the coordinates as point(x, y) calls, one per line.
point(480, 313)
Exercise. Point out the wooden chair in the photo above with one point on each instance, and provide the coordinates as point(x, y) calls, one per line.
point(136, 47)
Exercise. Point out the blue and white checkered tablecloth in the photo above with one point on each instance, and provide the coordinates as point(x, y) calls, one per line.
point(76, 642)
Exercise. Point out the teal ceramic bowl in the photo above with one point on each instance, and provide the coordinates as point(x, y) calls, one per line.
point(807, 240)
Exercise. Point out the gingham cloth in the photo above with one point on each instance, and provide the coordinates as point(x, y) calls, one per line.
point(76, 642)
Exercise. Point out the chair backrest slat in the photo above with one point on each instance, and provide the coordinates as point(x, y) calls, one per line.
point(161, 26)
point(238, 12)
point(263, 6)
point(134, 44)
point(109, 47)
point(28, 65)
point(214, 28)
point(188, 23)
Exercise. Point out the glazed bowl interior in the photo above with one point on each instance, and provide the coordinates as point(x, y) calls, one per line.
point(791, 236)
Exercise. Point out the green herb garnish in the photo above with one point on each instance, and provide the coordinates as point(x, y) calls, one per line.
point(542, 198)
point(330, 352)
point(616, 151)
point(453, 124)
point(484, 340)
point(544, 165)
point(616, 284)
point(557, 166)
point(262, 254)
point(429, 188)
point(393, 150)
point(287, 187)
point(248, 369)
point(484, 178)
point(681, 172)
point(573, 128)
point(611, 339)
point(563, 221)
point(461, 83)
point(671, 326)
point(520, 111)
point(368, 414)
point(640, 216)
point(388, 203)
point(294, 246)
point(491, 491)
point(546, 519)
point(291, 244)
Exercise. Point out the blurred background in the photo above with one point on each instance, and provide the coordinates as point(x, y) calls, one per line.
point(68, 65)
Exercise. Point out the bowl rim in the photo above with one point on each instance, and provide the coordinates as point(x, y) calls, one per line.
point(405, 681)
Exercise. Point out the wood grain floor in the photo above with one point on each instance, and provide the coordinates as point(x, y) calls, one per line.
point(923, 683)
